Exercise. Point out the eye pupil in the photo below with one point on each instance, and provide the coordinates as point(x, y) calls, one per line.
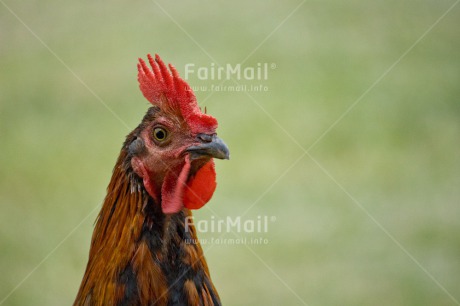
point(159, 134)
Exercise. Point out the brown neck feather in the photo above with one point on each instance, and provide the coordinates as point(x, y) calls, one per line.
point(139, 256)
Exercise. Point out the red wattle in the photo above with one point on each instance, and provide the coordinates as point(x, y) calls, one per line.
point(200, 187)
point(176, 191)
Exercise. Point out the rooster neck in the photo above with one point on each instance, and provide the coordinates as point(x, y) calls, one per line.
point(140, 256)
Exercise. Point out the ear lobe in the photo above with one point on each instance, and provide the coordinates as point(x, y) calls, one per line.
point(173, 188)
point(141, 171)
point(138, 166)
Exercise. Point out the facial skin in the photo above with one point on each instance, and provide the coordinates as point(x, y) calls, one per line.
point(170, 157)
point(165, 141)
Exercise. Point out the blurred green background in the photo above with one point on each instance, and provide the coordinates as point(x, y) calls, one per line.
point(395, 155)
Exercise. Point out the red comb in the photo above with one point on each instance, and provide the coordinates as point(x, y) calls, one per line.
point(170, 92)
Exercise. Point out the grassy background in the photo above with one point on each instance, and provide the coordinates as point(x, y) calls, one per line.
point(396, 153)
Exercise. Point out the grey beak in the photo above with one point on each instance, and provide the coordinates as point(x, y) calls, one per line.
point(211, 146)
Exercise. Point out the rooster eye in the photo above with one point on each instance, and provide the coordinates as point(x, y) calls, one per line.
point(160, 134)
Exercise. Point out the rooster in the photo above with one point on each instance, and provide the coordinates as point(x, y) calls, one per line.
point(142, 252)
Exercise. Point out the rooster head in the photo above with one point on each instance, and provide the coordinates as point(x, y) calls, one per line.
point(173, 148)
